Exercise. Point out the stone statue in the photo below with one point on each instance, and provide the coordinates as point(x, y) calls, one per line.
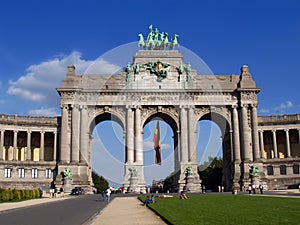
point(180, 69)
point(141, 41)
point(137, 69)
point(133, 172)
point(157, 41)
point(128, 72)
point(188, 72)
point(174, 41)
point(253, 171)
point(189, 171)
point(67, 173)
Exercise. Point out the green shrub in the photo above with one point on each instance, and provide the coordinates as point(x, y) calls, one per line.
point(7, 195)
point(16, 194)
point(33, 193)
point(27, 194)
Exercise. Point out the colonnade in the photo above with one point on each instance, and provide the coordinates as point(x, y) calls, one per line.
point(28, 154)
point(274, 147)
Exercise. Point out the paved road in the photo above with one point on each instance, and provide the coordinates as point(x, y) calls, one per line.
point(76, 210)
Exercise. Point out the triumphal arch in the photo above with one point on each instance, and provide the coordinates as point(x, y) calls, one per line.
point(159, 84)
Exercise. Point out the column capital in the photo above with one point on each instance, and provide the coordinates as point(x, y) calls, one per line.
point(286, 130)
point(16, 131)
point(274, 131)
point(235, 106)
point(42, 132)
point(254, 105)
point(64, 106)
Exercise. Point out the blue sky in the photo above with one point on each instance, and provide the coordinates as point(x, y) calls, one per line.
point(38, 39)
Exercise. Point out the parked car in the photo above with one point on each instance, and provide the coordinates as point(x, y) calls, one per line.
point(77, 191)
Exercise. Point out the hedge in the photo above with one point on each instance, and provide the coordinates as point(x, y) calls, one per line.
point(18, 195)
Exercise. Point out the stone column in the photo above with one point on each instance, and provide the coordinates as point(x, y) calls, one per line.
point(84, 134)
point(138, 137)
point(288, 147)
point(28, 152)
point(176, 138)
point(65, 138)
point(55, 146)
point(262, 146)
point(184, 138)
point(42, 143)
point(246, 135)
point(15, 145)
point(130, 135)
point(1, 144)
point(236, 134)
point(275, 144)
point(192, 151)
point(299, 138)
point(75, 134)
point(255, 143)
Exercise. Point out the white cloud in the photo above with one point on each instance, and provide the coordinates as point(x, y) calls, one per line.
point(263, 111)
point(40, 80)
point(43, 112)
point(283, 106)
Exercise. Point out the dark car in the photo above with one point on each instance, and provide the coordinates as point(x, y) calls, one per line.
point(77, 191)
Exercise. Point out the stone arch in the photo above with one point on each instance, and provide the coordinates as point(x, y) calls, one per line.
point(106, 115)
point(223, 121)
point(168, 117)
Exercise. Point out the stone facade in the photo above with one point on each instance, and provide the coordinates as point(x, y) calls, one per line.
point(163, 88)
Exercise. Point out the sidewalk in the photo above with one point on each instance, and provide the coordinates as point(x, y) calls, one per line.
point(14, 205)
point(126, 211)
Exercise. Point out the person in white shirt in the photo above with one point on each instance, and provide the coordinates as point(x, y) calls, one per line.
point(107, 193)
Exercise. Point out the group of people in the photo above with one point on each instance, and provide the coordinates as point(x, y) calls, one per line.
point(105, 195)
point(56, 191)
point(252, 188)
point(151, 200)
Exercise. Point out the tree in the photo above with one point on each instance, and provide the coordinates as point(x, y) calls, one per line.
point(99, 182)
point(211, 173)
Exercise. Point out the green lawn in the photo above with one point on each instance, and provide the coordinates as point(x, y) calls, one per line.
point(228, 209)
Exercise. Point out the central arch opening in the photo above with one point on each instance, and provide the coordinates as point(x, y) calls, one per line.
point(153, 171)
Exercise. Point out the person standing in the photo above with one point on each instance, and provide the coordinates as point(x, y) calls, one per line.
point(107, 193)
point(261, 189)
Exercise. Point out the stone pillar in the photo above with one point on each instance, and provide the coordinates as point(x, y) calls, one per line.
point(28, 152)
point(236, 135)
point(246, 135)
point(84, 135)
point(192, 151)
point(65, 138)
point(138, 137)
point(75, 134)
point(288, 147)
point(42, 143)
point(55, 146)
point(1, 143)
point(262, 146)
point(299, 138)
point(15, 145)
point(255, 139)
point(176, 150)
point(275, 144)
point(130, 135)
point(184, 137)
